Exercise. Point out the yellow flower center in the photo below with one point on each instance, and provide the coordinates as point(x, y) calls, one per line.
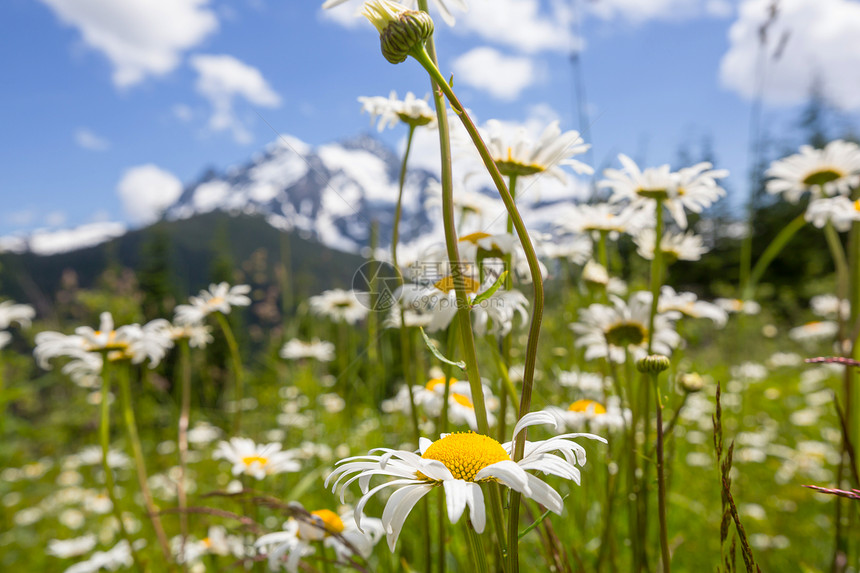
point(465, 454)
point(587, 406)
point(822, 177)
point(511, 166)
point(624, 333)
point(475, 237)
point(330, 520)
point(446, 284)
point(435, 382)
point(216, 300)
point(207, 543)
point(250, 460)
point(463, 400)
point(857, 205)
point(111, 343)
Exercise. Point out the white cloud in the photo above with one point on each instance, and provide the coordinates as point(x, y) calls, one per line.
point(501, 76)
point(45, 242)
point(347, 15)
point(182, 112)
point(55, 218)
point(817, 41)
point(146, 190)
point(89, 140)
point(139, 37)
point(640, 11)
point(520, 24)
point(221, 79)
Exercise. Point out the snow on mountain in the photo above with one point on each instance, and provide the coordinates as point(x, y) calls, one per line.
point(52, 242)
point(332, 193)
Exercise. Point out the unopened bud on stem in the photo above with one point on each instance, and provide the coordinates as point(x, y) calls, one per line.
point(400, 29)
point(653, 364)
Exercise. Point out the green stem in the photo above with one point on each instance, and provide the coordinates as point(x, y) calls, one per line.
point(2, 398)
point(140, 464)
point(656, 271)
point(769, 254)
point(324, 556)
point(476, 551)
point(238, 372)
point(661, 479)
point(104, 438)
point(398, 211)
point(420, 54)
point(182, 439)
point(852, 416)
point(465, 325)
point(602, 253)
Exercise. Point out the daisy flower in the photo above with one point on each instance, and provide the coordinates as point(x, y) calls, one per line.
point(129, 342)
point(423, 305)
point(834, 170)
point(115, 558)
point(20, 314)
point(430, 397)
point(839, 211)
point(341, 305)
point(286, 548)
point(611, 218)
point(829, 306)
point(674, 246)
point(516, 154)
point(459, 463)
point(317, 349)
point(587, 383)
point(413, 4)
point(65, 548)
point(612, 331)
point(814, 331)
point(593, 415)
point(198, 334)
point(691, 188)
point(255, 460)
point(219, 298)
point(574, 248)
point(216, 542)
point(735, 305)
point(688, 304)
point(412, 111)
point(496, 314)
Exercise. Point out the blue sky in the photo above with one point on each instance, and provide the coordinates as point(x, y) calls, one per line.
point(94, 89)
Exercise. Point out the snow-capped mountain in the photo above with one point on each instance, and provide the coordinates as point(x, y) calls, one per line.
point(331, 193)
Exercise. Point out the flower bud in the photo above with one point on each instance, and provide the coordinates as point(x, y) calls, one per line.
point(400, 29)
point(653, 364)
point(690, 382)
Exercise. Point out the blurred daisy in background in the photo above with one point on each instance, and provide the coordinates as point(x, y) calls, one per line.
point(390, 111)
point(834, 170)
point(674, 246)
point(256, 460)
point(219, 298)
point(287, 547)
point(317, 349)
point(341, 305)
point(616, 330)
